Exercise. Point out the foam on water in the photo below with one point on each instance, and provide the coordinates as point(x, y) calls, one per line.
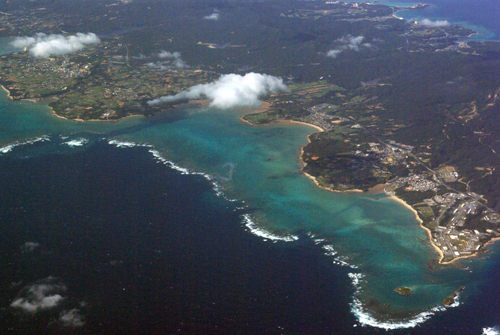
point(365, 318)
point(296, 204)
point(491, 331)
point(11, 146)
point(330, 251)
point(266, 235)
point(127, 144)
point(79, 142)
point(182, 170)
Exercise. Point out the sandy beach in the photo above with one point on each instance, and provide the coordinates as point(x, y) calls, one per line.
point(377, 189)
point(256, 110)
point(304, 163)
point(265, 106)
point(429, 234)
point(304, 123)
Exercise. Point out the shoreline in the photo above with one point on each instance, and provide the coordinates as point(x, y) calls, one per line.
point(318, 128)
point(493, 240)
point(429, 233)
point(8, 92)
point(314, 179)
point(377, 189)
point(265, 107)
point(90, 120)
point(192, 103)
point(420, 222)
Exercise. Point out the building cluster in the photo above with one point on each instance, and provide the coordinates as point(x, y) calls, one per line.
point(415, 182)
point(34, 78)
point(93, 81)
point(319, 116)
point(452, 236)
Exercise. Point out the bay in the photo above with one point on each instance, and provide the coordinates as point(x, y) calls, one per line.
point(478, 15)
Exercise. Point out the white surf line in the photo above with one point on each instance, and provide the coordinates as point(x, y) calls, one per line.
point(79, 142)
point(366, 319)
point(266, 235)
point(217, 188)
point(9, 147)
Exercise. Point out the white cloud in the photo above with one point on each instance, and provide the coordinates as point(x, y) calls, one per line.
point(231, 90)
point(334, 53)
point(351, 42)
point(433, 24)
point(174, 60)
point(348, 42)
point(30, 246)
point(213, 16)
point(44, 294)
point(167, 54)
point(72, 318)
point(44, 46)
point(170, 60)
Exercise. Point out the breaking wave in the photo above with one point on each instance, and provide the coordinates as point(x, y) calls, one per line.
point(266, 235)
point(9, 147)
point(78, 142)
point(366, 319)
point(127, 144)
point(331, 252)
point(491, 331)
point(182, 170)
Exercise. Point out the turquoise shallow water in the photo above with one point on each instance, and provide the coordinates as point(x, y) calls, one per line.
point(379, 239)
point(478, 15)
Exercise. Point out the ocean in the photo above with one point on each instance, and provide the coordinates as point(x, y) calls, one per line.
point(478, 15)
point(201, 223)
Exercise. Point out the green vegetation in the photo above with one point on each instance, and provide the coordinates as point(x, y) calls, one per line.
point(451, 299)
point(95, 84)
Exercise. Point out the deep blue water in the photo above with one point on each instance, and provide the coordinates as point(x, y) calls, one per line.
point(147, 250)
point(140, 248)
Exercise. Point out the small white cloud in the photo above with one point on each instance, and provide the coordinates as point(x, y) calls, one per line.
point(42, 295)
point(213, 16)
point(44, 46)
point(30, 246)
point(352, 43)
point(433, 24)
point(72, 318)
point(231, 90)
point(334, 53)
point(166, 54)
point(348, 42)
point(172, 60)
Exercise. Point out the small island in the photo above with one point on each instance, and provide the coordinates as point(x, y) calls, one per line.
point(406, 291)
point(451, 299)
